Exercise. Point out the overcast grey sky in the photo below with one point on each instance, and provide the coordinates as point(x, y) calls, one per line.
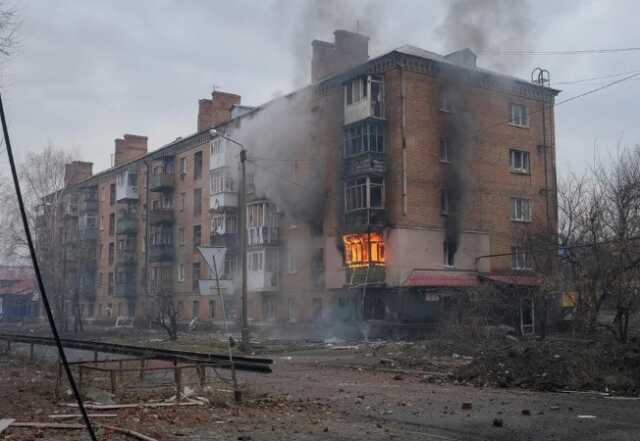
point(87, 72)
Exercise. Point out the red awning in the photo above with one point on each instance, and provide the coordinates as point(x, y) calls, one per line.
point(428, 278)
point(509, 279)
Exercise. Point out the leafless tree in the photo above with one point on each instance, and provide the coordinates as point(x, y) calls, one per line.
point(166, 313)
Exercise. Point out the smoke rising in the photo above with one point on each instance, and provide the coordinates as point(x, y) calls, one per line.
point(488, 27)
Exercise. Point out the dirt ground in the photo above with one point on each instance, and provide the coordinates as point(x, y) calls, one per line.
point(334, 391)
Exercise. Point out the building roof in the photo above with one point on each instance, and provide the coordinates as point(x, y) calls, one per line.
point(16, 280)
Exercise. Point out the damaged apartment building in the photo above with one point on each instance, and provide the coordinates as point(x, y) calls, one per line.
point(378, 192)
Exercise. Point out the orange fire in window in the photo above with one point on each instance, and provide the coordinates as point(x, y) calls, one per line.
point(363, 249)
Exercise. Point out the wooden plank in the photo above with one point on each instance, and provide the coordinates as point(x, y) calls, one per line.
point(129, 406)
point(4, 423)
point(65, 416)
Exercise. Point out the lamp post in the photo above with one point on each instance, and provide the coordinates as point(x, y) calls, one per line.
point(242, 235)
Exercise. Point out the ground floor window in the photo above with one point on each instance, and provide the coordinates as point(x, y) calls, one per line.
point(268, 308)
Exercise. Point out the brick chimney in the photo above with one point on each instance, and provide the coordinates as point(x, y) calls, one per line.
point(129, 148)
point(77, 171)
point(216, 110)
point(349, 49)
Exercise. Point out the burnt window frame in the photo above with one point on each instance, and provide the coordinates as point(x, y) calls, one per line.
point(363, 137)
point(358, 192)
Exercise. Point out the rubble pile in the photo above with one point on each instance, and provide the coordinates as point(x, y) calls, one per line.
point(557, 364)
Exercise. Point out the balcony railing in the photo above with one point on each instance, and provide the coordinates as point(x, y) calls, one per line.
point(369, 163)
point(223, 200)
point(162, 182)
point(363, 219)
point(161, 253)
point(159, 216)
point(262, 281)
point(230, 240)
point(365, 275)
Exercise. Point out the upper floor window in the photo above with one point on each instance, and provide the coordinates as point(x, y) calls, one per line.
point(197, 165)
point(215, 147)
point(197, 237)
point(197, 201)
point(183, 166)
point(362, 138)
point(519, 161)
point(520, 259)
point(518, 115)
point(112, 223)
point(356, 90)
point(112, 194)
point(219, 181)
point(521, 209)
point(367, 192)
point(444, 149)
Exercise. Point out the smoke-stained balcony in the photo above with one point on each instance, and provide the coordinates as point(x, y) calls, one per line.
point(162, 177)
point(162, 216)
point(125, 281)
point(262, 223)
point(127, 222)
point(88, 200)
point(262, 235)
point(263, 266)
point(222, 192)
point(363, 98)
point(161, 253)
point(364, 200)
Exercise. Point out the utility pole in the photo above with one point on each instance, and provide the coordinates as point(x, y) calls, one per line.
point(243, 246)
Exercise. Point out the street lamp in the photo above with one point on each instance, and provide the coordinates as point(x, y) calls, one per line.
point(242, 233)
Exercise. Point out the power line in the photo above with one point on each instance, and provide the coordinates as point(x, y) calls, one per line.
point(562, 52)
point(604, 77)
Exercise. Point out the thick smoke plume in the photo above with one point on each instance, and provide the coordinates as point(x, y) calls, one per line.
point(488, 27)
point(314, 19)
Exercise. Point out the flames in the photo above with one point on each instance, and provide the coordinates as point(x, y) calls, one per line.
point(363, 249)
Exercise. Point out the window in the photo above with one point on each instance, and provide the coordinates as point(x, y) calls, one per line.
point(112, 223)
point(197, 236)
point(101, 280)
point(255, 261)
point(230, 266)
point(518, 115)
point(520, 259)
point(519, 161)
point(356, 90)
point(183, 166)
point(215, 147)
point(181, 272)
point(268, 309)
point(449, 253)
point(446, 104)
point(197, 165)
point(197, 201)
point(111, 281)
point(291, 310)
point(182, 198)
point(112, 194)
point(181, 236)
point(120, 247)
point(362, 138)
point(224, 223)
point(219, 181)
point(212, 309)
point(364, 193)
point(444, 201)
point(111, 253)
point(520, 210)
point(363, 249)
point(444, 149)
point(195, 276)
point(180, 308)
point(101, 223)
point(291, 262)
point(195, 309)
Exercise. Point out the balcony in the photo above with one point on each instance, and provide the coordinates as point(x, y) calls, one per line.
point(369, 163)
point(365, 275)
point(361, 220)
point(88, 233)
point(366, 101)
point(261, 281)
point(127, 224)
point(126, 288)
point(162, 182)
point(223, 200)
point(90, 204)
point(262, 235)
point(162, 216)
point(162, 253)
point(229, 240)
point(127, 258)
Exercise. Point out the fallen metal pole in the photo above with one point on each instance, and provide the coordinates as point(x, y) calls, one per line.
point(36, 268)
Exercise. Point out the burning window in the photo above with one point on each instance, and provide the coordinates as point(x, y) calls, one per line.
point(363, 249)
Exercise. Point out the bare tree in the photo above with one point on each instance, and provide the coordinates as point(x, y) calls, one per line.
point(166, 314)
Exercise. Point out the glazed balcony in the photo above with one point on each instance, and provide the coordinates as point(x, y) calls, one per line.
point(368, 163)
point(162, 182)
point(365, 275)
point(364, 219)
point(223, 200)
point(262, 235)
point(88, 233)
point(127, 223)
point(162, 253)
point(162, 216)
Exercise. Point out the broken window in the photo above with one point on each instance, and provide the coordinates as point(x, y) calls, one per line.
point(520, 209)
point(444, 201)
point(362, 138)
point(365, 192)
point(519, 161)
point(518, 115)
point(111, 253)
point(197, 236)
point(449, 253)
point(520, 259)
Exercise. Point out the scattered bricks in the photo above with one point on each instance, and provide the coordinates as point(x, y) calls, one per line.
point(526, 412)
point(466, 406)
point(497, 422)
